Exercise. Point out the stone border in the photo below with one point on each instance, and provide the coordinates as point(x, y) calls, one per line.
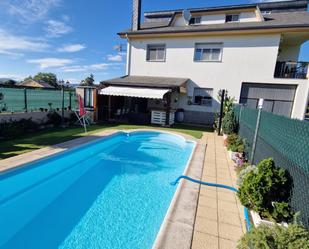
point(176, 230)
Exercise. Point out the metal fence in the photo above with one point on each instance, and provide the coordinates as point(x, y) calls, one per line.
point(27, 100)
point(287, 142)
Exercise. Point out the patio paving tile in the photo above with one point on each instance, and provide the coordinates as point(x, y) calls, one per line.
point(205, 225)
point(228, 206)
point(229, 218)
point(230, 232)
point(227, 244)
point(207, 212)
point(225, 196)
point(205, 241)
point(208, 192)
point(207, 202)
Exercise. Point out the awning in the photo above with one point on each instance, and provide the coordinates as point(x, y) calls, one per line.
point(139, 92)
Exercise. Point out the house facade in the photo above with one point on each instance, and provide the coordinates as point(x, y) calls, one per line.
point(250, 50)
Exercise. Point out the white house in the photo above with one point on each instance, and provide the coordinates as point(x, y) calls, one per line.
point(250, 50)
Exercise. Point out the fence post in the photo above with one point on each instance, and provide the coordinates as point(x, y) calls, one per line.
point(260, 107)
point(240, 112)
point(25, 99)
point(221, 111)
point(70, 97)
point(62, 106)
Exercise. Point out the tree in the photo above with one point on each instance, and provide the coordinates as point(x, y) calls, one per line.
point(9, 82)
point(28, 78)
point(89, 81)
point(49, 78)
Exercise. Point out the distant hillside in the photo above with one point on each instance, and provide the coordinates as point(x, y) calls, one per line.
point(4, 79)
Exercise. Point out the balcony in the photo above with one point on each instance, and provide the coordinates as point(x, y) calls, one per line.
point(291, 70)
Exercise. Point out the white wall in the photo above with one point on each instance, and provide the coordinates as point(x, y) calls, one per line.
point(213, 19)
point(289, 53)
point(218, 18)
point(249, 58)
point(248, 17)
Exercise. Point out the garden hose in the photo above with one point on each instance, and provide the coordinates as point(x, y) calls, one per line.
point(246, 213)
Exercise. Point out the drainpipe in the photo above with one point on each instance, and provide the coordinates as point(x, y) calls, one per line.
point(129, 49)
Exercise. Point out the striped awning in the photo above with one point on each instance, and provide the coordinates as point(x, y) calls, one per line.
point(138, 92)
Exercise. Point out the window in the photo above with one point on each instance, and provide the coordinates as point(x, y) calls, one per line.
point(232, 18)
point(195, 20)
point(208, 52)
point(88, 97)
point(202, 96)
point(156, 52)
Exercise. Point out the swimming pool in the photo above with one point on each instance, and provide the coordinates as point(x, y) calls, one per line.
point(111, 193)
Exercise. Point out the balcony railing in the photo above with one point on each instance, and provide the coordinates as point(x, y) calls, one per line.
point(291, 70)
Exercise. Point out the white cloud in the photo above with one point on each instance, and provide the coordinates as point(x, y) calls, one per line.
point(117, 57)
point(12, 76)
point(57, 28)
point(65, 18)
point(10, 44)
point(30, 10)
point(71, 48)
point(51, 62)
point(84, 68)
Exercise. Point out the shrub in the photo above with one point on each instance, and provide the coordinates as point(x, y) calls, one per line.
point(267, 191)
point(72, 118)
point(229, 123)
point(243, 172)
point(235, 143)
point(54, 118)
point(14, 128)
point(292, 237)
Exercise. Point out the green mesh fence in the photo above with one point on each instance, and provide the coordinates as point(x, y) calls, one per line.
point(287, 142)
point(21, 100)
point(12, 100)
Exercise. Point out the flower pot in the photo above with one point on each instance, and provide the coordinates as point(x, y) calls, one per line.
point(257, 220)
point(225, 136)
point(235, 156)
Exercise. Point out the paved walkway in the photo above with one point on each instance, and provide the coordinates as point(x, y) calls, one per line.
point(219, 221)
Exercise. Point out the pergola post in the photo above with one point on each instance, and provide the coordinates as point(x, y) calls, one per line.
point(109, 108)
point(168, 108)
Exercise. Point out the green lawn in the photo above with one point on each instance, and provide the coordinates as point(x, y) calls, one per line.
point(45, 138)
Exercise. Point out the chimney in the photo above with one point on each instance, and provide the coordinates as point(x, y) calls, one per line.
point(136, 15)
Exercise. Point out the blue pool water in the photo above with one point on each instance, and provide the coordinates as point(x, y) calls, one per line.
point(112, 193)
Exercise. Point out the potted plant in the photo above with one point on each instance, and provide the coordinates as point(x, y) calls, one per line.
point(236, 148)
point(228, 125)
point(293, 236)
point(266, 191)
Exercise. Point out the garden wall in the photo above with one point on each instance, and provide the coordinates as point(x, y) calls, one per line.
point(38, 117)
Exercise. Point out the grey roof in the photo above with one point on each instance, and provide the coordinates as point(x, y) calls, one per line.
point(274, 20)
point(284, 14)
point(146, 81)
point(283, 6)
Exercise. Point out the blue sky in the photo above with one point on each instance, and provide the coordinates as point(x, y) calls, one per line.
point(73, 38)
